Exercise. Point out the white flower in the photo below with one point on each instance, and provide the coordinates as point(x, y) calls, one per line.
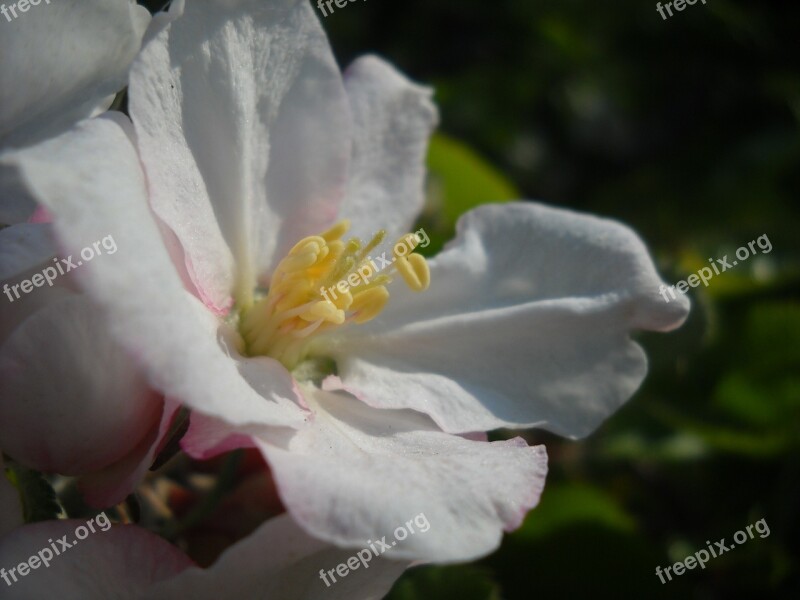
point(247, 140)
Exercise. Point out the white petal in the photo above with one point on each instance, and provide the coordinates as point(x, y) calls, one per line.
point(61, 61)
point(208, 436)
point(16, 203)
point(10, 504)
point(356, 474)
point(111, 485)
point(29, 275)
point(121, 562)
point(280, 561)
point(527, 323)
point(24, 246)
point(71, 401)
point(393, 120)
point(143, 302)
point(243, 128)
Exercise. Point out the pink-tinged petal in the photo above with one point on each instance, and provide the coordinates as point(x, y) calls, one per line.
point(527, 322)
point(63, 61)
point(357, 473)
point(10, 503)
point(71, 400)
point(393, 120)
point(122, 562)
point(13, 314)
point(243, 128)
point(280, 561)
point(208, 437)
point(41, 215)
point(141, 299)
point(25, 255)
point(113, 484)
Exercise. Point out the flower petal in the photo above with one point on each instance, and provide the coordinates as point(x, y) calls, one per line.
point(10, 503)
point(125, 559)
point(280, 561)
point(24, 253)
point(61, 412)
point(393, 120)
point(24, 246)
point(143, 302)
point(113, 484)
point(357, 473)
point(63, 61)
point(527, 323)
point(243, 128)
point(16, 203)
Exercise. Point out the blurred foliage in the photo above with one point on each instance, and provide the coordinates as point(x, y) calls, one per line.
point(38, 498)
point(688, 130)
point(459, 181)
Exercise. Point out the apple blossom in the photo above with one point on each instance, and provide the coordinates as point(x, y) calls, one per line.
point(229, 196)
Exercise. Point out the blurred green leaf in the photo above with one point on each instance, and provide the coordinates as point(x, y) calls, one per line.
point(467, 180)
point(679, 447)
point(771, 340)
point(564, 505)
point(460, 582)
point(460, 180)
point(763, 390)
point(585, 531)
point(37, 495)
point(755, 444)
point(762, 403)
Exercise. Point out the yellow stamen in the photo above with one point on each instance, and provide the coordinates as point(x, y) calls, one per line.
point(306, 297)
point(376, 241)
point(415, 272)
point(337, 231)
point(368, 304)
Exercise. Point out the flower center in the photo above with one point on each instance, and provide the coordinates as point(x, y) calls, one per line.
point(324, 283)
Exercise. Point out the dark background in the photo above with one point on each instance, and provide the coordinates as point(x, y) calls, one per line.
point(686, 129)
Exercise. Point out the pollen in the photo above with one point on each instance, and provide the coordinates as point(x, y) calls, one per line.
point(324, 283)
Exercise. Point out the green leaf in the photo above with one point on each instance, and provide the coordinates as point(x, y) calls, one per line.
point(731, 440)
point(763, 392)
point(459, 181)
point(564, 505)
point(461, 582)
point(38, 498)
point(581, 543)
